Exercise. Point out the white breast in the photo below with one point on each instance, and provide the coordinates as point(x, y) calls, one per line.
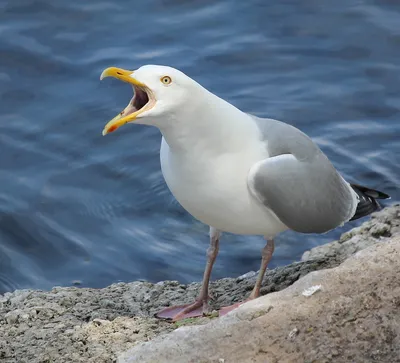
point(214, 190)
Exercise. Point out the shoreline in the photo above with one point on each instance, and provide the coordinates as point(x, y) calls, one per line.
point(72, 324)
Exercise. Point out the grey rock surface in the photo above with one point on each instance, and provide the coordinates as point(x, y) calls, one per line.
point(353, 317)
point(95, 325)
point(385, 223)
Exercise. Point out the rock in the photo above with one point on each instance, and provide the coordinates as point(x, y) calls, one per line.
point(384, 223)
point(12, 317)
point(362, 292)
point(247, 275)
point(95, 325)
point(292, 335)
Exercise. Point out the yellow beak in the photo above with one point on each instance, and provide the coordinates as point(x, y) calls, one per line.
point(120, 119)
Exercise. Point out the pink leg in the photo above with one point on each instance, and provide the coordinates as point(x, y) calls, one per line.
point(200, 306)
point(266, 254)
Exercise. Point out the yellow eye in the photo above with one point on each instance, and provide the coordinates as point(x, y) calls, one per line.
point(166, 80)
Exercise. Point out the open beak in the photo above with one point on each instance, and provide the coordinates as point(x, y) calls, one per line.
point(143, 99)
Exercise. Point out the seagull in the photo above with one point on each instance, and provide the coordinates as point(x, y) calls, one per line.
point(236, 172)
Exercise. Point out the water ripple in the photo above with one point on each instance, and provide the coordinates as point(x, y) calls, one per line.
point(77, 206)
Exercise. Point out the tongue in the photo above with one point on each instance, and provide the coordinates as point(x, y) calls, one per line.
point(128, 109)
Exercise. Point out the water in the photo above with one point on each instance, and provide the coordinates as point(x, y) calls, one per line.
point(79, 208)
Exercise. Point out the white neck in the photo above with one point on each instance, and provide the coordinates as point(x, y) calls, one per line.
point(212, 125)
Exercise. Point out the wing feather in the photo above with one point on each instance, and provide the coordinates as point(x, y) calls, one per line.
point(307, 195)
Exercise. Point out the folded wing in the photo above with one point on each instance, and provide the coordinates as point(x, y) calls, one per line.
point(308, 196)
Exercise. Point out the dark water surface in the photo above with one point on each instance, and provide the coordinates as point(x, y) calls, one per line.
point(76, 207)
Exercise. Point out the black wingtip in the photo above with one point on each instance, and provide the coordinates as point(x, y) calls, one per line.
point(376, 194)
point(367, 203)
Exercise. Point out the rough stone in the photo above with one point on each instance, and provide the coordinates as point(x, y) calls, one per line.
point(382, 224)
point(355, 318)
point(95, 325)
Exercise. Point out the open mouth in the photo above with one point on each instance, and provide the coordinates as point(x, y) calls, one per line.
point(142, 100)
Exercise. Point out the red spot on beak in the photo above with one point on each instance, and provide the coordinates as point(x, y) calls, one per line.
point(112, 129)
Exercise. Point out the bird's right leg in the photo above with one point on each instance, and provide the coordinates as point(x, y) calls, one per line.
point(266, 254)
point(200, 306)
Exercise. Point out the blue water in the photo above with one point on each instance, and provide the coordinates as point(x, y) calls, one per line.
point(79, 208)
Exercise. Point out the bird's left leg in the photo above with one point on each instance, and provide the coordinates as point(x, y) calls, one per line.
point(266, 254)
point(200, 306)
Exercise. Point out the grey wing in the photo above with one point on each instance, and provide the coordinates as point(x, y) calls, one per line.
point(300, 185)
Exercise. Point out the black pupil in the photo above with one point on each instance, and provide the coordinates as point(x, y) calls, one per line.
point(165, 80)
